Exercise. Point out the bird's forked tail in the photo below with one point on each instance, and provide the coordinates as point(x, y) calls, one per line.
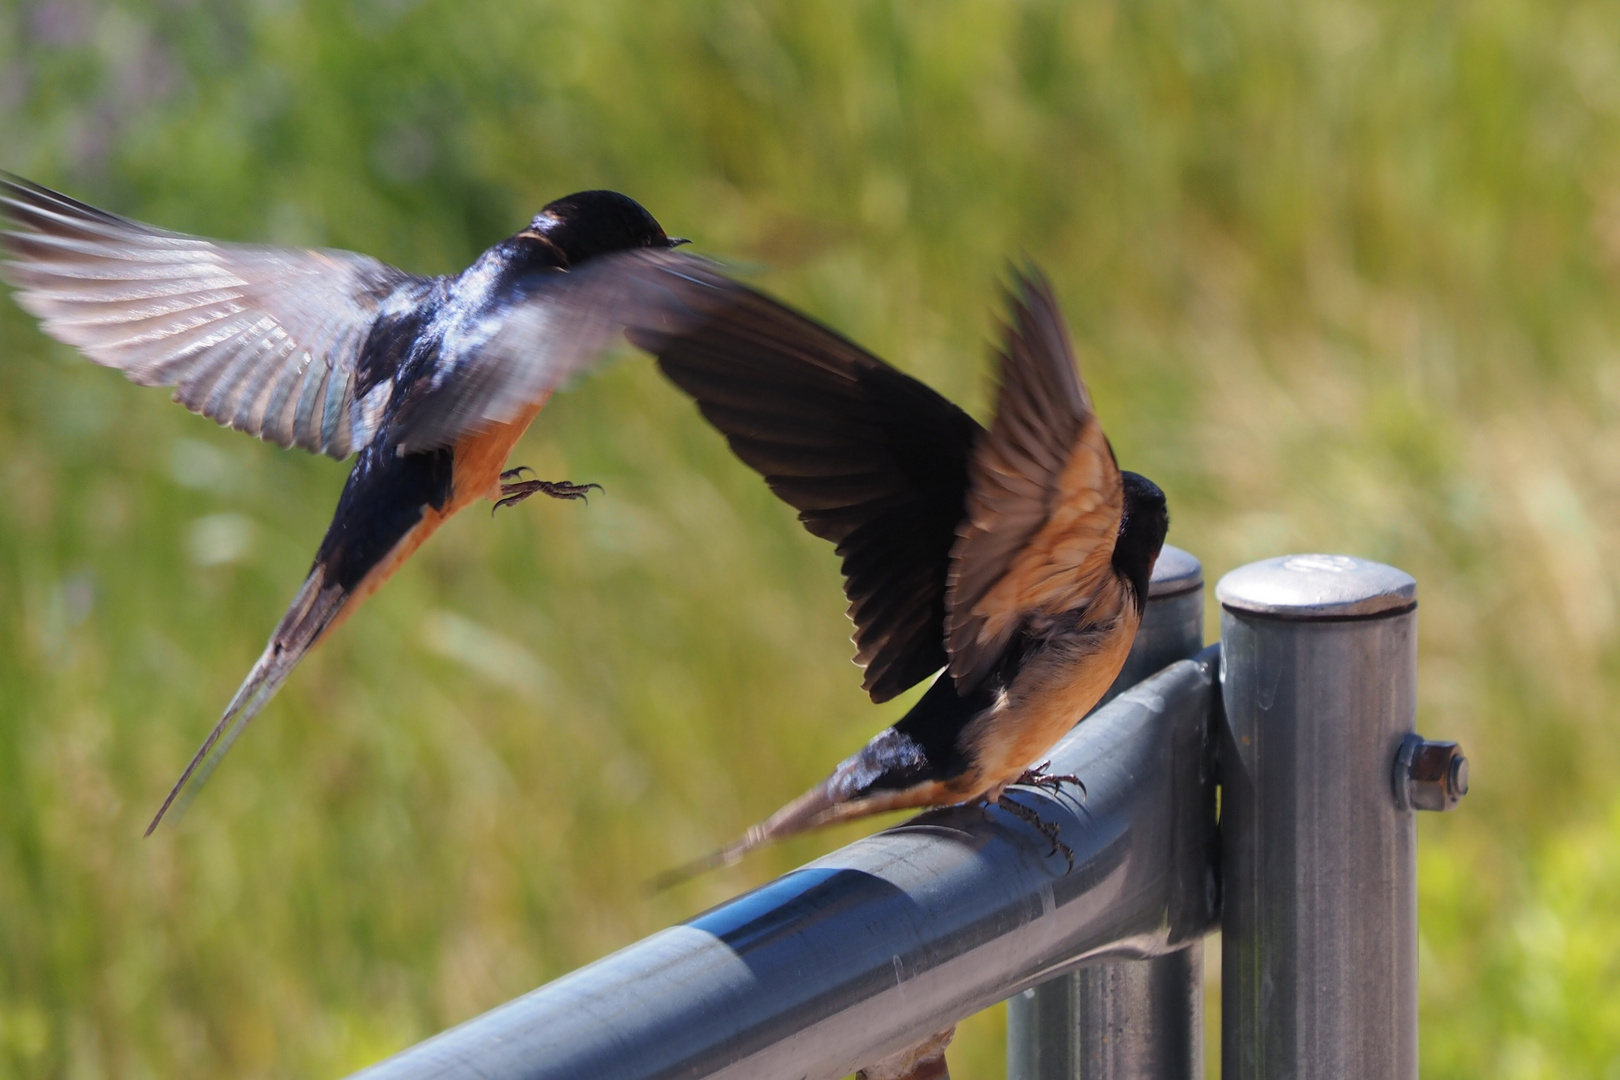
point(312, 613)
point(810, 810)
point(848, 793)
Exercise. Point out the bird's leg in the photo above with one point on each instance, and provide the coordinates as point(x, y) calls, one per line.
point(515, 492)
point(1047, 829)
point(922, 1061)
point(1039, 777)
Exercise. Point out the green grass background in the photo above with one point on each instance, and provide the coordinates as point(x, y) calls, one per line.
point(1345, 278)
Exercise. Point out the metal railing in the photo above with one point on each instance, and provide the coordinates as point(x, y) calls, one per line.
point(899, 935)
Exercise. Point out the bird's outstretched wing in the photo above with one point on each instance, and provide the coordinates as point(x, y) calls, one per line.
point(871, 458)
point(1044, 504)
point(262, 339)
point(552, 325)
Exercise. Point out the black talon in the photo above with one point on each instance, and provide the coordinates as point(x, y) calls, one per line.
point(1047, 829)
point(515, 474)
point(1038, 777)
point(557, 489)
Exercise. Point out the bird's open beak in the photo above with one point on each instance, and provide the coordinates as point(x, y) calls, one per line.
point(677, 241)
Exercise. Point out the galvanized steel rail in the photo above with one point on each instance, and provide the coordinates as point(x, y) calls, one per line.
point(901, 934)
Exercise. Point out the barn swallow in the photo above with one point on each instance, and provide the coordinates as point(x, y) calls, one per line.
point(1013, 561)
point(429, 380)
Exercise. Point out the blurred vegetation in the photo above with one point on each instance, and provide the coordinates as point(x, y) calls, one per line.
point(1345, 278)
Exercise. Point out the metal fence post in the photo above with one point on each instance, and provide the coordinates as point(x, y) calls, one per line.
point(1125, 1019)
point(1319, 898)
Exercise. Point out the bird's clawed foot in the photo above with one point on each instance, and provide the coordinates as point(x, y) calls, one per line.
point(1047, 829)
point(1041, 778)
point(516, 490)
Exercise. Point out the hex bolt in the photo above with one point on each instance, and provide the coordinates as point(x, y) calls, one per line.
point(1429, 774)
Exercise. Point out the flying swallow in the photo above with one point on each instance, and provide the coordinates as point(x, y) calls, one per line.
point(1013, 561)
point(429, 380)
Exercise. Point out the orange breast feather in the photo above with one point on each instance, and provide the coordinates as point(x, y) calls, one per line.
point(477, 465)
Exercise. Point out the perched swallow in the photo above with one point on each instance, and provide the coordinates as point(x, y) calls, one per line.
point(1015, 559)
point(430, 380)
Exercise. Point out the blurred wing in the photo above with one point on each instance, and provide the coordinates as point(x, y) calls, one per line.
point(872, 459)
point(260, 339)
point(1045, 498)
point(555, 325)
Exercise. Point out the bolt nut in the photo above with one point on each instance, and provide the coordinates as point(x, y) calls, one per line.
point(1429, 775)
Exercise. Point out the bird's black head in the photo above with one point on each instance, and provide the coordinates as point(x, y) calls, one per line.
point(1141, 532)
point(590, 223)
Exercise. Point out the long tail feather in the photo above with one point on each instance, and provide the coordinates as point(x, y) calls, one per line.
point(810, 810)
point(311, 613)
point(828, 803)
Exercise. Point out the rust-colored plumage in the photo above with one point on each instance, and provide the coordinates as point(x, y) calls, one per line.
point(430, 381)
point(1016, 559)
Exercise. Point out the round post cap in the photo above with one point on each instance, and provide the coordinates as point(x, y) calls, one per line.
point(1317, 587)
point(1175, 572)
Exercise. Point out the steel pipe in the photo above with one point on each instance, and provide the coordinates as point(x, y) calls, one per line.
point(1319, 899)
point(1126, 1019)
point(896, 936)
